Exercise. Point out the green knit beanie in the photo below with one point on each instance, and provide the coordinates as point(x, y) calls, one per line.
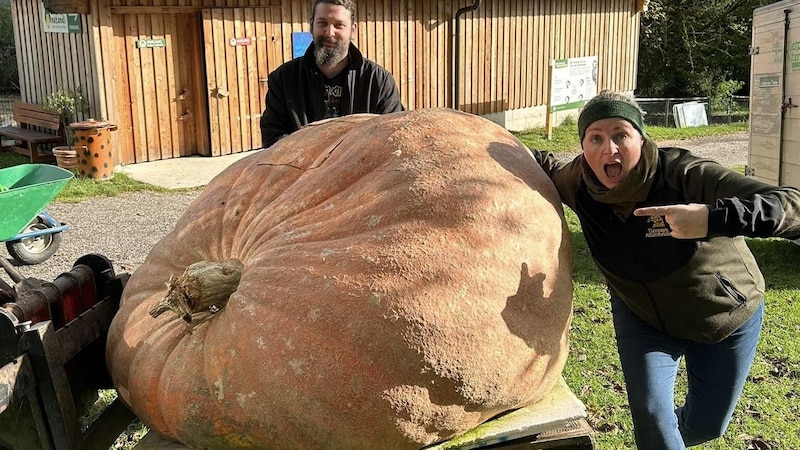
point(604, 109)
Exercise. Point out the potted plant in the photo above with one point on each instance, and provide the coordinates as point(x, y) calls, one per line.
point(67, 103)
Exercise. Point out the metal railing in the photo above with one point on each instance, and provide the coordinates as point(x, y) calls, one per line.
point(6, 108)
point(660, 111)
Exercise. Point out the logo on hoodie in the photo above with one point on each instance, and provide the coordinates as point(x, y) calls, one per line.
point(657, 227)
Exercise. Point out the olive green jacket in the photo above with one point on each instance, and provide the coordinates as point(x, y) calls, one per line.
point(697, 289)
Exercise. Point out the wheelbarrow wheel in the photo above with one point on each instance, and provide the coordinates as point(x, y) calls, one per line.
point(34, 250)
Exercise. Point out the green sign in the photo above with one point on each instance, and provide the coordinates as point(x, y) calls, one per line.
point(568, 106)
point(74, 23)
point(150, 43)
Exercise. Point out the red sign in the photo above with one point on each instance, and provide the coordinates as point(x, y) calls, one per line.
point(241, 41)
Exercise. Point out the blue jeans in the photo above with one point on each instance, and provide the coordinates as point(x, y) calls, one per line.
point(716, 375)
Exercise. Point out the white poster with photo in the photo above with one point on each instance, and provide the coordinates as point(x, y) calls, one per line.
point(573, 83)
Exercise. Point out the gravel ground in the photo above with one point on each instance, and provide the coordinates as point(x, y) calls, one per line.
point(126, 227)
point(122, 228)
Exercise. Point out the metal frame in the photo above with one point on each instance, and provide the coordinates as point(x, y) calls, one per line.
point(45, 382)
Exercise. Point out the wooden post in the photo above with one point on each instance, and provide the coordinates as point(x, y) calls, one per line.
point(549, 114)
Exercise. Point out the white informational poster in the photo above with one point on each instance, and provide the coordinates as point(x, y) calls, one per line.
point(574, 82)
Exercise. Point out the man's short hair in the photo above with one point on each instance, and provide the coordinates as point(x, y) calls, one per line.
point(350, 5)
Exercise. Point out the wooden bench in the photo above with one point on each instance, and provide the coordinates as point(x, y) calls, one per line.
point(28, 115)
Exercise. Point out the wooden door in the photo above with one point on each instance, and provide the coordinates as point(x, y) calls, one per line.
point(159, 89)
point(242, 46)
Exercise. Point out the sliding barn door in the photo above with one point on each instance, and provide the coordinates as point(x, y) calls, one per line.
point(242, 45)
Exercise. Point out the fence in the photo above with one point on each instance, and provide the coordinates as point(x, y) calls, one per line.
point(660, 111)
point(6, 107)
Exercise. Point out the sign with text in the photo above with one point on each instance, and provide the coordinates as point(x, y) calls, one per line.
point(241, 41)
point(768, 81)
point(151, 43)
point(61, 23)
point(573, 83)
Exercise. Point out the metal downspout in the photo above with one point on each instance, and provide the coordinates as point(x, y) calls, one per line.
point(457, 48)
point(785, 105)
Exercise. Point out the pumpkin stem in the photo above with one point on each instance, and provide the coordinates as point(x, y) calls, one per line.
point(203, 286)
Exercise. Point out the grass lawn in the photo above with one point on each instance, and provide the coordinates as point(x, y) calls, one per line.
point(79, 189)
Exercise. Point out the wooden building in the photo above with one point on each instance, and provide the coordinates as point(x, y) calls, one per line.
point(188, 77)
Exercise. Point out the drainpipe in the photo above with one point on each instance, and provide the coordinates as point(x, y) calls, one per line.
point(457, 55)
point(785, 105)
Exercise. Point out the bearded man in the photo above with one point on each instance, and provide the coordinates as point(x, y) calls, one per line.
point(332, 79)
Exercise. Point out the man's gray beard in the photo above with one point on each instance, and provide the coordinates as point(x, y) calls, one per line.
point(330, 56)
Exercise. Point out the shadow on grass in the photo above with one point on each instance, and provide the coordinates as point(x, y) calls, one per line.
point(779, 260)
point(584, 270)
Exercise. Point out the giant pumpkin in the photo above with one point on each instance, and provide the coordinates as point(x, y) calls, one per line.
point(376, 282)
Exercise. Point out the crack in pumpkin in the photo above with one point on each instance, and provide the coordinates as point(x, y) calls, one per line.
point(327, 155)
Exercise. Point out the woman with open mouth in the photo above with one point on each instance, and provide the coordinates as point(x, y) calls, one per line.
point(666, 229)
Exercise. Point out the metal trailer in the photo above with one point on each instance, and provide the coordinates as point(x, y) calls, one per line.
point(52, 358)
point(774, 154)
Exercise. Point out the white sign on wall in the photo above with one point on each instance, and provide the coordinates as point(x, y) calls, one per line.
point(573, 83)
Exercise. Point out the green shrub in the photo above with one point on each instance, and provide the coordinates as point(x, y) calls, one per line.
point(67, 103)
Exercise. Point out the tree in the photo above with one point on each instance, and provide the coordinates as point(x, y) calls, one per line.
point(689, 48)
point(9, 77)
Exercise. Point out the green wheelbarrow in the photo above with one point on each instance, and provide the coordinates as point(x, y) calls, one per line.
point(31, 235)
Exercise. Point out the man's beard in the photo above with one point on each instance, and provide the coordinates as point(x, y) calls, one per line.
point(330, 56)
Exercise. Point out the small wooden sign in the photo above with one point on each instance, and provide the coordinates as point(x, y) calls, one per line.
point(241, 41)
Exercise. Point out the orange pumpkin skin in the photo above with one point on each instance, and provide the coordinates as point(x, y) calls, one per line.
point(405, 278)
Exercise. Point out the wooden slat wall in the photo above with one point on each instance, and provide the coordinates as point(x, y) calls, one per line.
point(506, 45)
point(506, 50)
point(48, 61)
